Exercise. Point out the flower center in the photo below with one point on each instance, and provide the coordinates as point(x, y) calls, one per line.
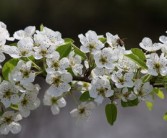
point(103, 60)
point(57, 81)
point(7, 94)
point(8, 120)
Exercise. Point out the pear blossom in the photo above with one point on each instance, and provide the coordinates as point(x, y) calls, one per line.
point(59, 81)
point(101, 72)
point(163, 40)
point(127, 95)
point(23, 73)
point(83, 111)
point(148, 45)
point(40, 39)
point(24, 48)
point(142, 90)
point(90, 42)
point(28, 101)
point(4, 34)
point(122, 79)
point(103, 58)
point(157, 65)
point(55, 102)
point(8, 94)
point(127, 65)
point(55, 63)
point(9, 122)
point(100, 88)
point(54, 37)
point(27, 32)
point(118, 54)
point(44, 51)
point(75, 63)
point(84, 86)
point(113, 40)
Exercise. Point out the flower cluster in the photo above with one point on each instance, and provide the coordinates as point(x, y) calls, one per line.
point(100, 69)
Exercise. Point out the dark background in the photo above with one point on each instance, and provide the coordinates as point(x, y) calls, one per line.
point(131, 19)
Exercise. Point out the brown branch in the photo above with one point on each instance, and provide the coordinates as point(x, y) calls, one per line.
point(78, 78)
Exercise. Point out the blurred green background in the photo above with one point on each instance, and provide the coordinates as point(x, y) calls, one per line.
point(131, 19)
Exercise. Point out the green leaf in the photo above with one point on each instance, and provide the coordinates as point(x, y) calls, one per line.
point(111, 113)
point(41, 27)
point(159, 93)
point(146, 78)
point(149, 105)
point(8, 67)
point(138, 52)
point(79, 52)
point(13, 44)
point(165, 116)
point(137, 60)
point(68, 40)
point(85, 97)
point(64, 50)
point(130, 103)
point(14, 107)
point(103, 39)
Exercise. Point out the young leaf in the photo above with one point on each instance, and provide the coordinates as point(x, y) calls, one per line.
point(79, 52)
point(165, 116)
point(64, 50)
point(111, 113)
point(41, 27)
point(8, 67)
point(14, 107)
point(138, 52)
point(149, 105)
point(130, 103)
point(146, 78)
point(68, 40)
point(159, 93)
point(85, 97)
point(137, 60)
point(103, 39)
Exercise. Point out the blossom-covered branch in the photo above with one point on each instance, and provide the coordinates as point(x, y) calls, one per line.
point(101, 68)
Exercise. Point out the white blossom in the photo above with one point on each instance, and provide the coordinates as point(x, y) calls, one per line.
point(90, 42)
point(101, 72)
point(127, 95)
point(9, 122)
point(23, 73)
point(157, 65)
point(122, 79)
point(55, 102)
point(24, 48)
point(54, 37)
point(113, 40)
point(100, 88)
point(59, 81)
point(28, 101)
point(143, 90)
point(125, 64)
point(83, 111)
point(148, 45)
point(84, 86)
point(56, 64)
point(104, 58)
point(44, 51)
point(8, 94)
point(75, 63)
point(4, 34)
point(27, 32)
point(163, 39)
